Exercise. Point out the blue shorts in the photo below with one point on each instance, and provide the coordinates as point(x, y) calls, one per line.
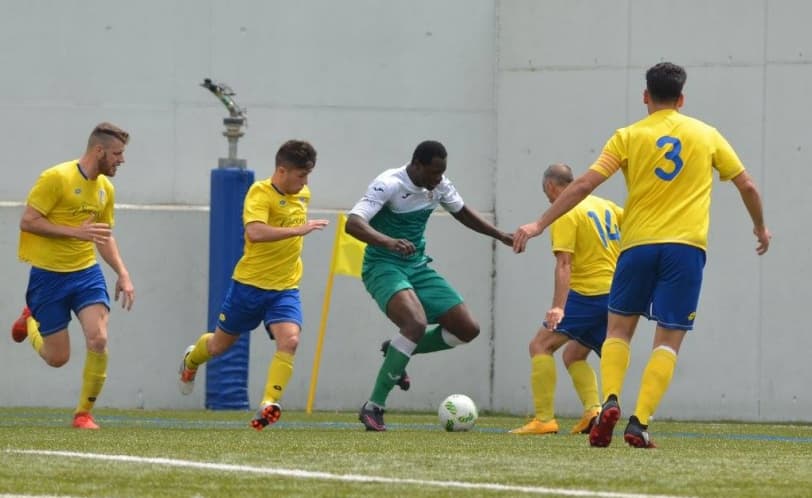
point(585, 319)
point(51, 295)
point(246, 306)
point(659, 281)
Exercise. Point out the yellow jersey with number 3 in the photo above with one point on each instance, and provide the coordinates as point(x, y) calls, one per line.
point(590, 232)
point(668, 159)
point(273, 265)
point(64, 196)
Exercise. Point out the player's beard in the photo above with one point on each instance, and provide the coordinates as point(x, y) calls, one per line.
point(107, 166)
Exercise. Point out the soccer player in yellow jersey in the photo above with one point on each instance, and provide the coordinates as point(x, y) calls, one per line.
point(68, 217)
point(585, 242)
point(668, 160)
point(265, 284)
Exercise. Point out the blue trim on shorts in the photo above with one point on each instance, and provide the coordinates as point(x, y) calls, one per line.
point(245, 307)
point(659, 281)
point(51, 296)
point(585, 319)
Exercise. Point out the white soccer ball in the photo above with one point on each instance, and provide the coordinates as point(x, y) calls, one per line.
point(457, 413)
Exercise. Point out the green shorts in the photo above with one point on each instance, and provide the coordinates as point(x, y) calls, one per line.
point(383, 280)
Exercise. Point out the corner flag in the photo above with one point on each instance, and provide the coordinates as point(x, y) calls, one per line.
point(347, 259)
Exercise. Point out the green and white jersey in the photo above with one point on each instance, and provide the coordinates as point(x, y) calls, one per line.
point(396, 207)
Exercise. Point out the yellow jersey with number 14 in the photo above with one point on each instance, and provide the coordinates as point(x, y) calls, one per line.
point(590, 232)
point(64, 196)
point(668, 159)
point(273, 265)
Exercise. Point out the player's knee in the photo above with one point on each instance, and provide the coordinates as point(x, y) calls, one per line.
point(216, 348)
point(469, 332)
point(56, 360)
point(288, 344)
point(414, 330)
point(97, 343)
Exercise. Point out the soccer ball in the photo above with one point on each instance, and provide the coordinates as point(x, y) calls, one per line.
point(457, 413)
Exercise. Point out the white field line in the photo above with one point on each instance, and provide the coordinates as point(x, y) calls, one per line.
point(33, 496)
point(306, 474)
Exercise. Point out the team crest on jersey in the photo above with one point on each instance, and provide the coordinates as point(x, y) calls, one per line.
point(77, 191)
point(430, 195)
point(303, 200)
point(282, 202)
point(222, 317)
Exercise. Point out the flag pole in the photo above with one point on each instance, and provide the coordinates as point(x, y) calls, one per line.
point(325, 311)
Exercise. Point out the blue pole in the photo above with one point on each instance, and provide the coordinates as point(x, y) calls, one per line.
point(227, 374)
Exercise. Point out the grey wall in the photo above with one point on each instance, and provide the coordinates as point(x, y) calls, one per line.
point(508, 86)
point(569, 74)
point(365, 81)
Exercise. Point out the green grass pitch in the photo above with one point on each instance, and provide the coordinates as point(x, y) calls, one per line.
point(208, 454)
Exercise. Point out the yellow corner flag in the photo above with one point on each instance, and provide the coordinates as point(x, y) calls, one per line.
point(347, 259)
point(348, 252)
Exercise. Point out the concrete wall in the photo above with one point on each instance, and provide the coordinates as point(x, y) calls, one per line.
point(363, 80)
point(508, 86)
point(570, 73)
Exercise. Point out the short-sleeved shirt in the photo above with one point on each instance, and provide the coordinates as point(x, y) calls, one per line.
point(668, 160)
point(394, 206)
point(65, 196)
point(590, 232)
point(273, 265)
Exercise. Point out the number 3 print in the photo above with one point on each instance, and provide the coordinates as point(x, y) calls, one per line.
point(672, 155)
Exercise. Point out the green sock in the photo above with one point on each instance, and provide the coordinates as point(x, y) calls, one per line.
point(432, 341)
point(394, 364)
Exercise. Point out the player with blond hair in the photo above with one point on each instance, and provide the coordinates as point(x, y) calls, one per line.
point(67, 218)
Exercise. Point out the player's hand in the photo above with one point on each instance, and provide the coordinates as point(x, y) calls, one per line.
point(553, 317)
point(98, 233)
point(763, 235)
point(404, 247)
point(126, 291)
point(314, 225)
point(506, 238)
point(523, 234)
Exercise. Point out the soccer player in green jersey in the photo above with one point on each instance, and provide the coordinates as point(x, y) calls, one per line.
point(391, 218)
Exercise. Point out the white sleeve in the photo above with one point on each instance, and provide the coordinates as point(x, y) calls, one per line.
point(450, 199)
point(376, 196)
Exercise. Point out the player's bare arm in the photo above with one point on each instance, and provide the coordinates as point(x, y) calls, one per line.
point(752, 202)
point(477, 223)
point(124, 285)
point(561, 286)
point(256, 231)
point(34, 222)
point(363, 231)
point(569, 198)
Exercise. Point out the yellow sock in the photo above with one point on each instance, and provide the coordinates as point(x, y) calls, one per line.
point(200, 354)
point(279, 373)
point(542, 381)
point(656, 379)
point(92, 380)
point(586, 384)
point(33, 333)
point(615, 357)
